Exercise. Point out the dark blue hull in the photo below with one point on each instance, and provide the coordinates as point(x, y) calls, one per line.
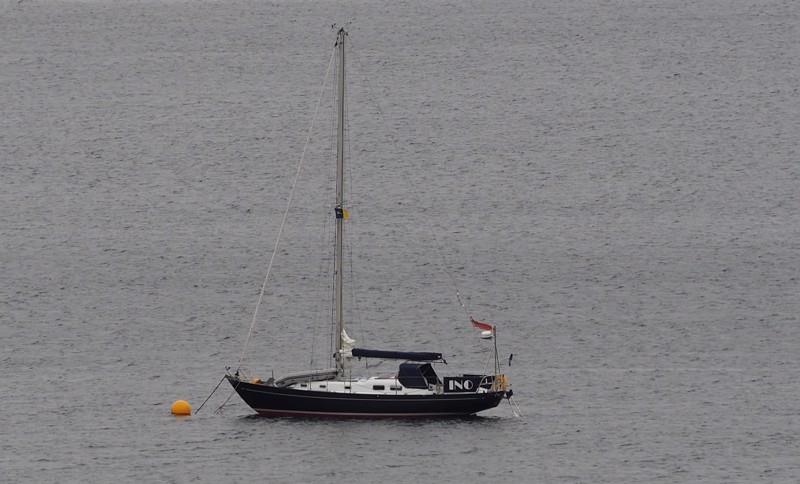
point(274, 401)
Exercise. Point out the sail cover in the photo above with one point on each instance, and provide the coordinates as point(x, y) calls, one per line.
point(397, 355)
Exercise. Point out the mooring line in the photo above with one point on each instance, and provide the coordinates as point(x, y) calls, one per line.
point(209, 395)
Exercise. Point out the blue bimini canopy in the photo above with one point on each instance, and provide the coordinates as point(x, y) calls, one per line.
point(397, 355)
point(417, 375)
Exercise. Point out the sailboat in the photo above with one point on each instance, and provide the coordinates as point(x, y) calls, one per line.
point(415, 390)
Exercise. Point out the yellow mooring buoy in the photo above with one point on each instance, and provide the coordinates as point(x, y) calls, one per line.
point(181, 407)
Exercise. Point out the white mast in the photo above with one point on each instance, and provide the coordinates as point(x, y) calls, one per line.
point(339, 210)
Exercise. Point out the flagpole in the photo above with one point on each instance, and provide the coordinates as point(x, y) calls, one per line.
point(496, 357)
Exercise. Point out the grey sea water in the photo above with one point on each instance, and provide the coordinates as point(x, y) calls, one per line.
point(614, 184)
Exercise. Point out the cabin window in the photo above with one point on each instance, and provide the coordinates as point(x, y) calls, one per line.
point(303, 385)
point(395, 388)
point(378, 387)
point(323, 386)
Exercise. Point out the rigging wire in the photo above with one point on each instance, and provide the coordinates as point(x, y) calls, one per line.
point(353, 240)
point(325, 262)
point(322, 270)
point(209, 395)
point(332, 321)
point(285, 213)
point(437, 245)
